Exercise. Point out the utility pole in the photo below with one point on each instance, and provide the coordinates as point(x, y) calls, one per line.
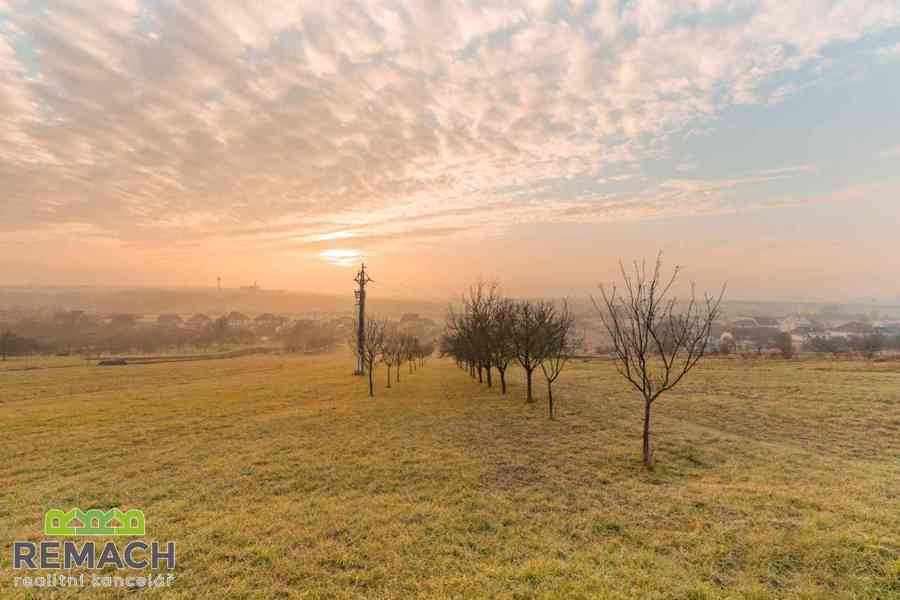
point(219, 282)
point(362, 278)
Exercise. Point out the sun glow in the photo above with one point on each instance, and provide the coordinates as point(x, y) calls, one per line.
point(341, 257)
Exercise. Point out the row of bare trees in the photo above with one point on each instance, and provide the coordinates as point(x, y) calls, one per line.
point(656, 337)
point(492, 331)
point(386, 343)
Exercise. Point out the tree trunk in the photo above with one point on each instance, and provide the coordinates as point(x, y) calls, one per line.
point(490, 380)
point(550, 396)
point(528, 373)
point(502, 380)
point(371, 383)
point(389, 375)
point(647, 450)
point(480, 373)
point(398, 372)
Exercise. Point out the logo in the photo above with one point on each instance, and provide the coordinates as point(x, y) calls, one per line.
point(65, 555)
point(94, 522)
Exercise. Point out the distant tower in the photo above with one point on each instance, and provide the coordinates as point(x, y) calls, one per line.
point(362, 278)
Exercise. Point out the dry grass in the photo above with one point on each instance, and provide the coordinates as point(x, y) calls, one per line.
point(278, 478)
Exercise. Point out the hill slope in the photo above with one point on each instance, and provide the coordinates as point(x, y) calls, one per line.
point(277, 477)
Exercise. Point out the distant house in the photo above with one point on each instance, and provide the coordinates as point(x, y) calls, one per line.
point(238, 320)
point(269, 322)
point(409, 317)
point(198, 321)
point(124, 320)
point(68, 317)
point(169, 320)
point(888, 328)
point(792, 323)
point(854, 328)
point(744, 323)
point(768, 323)
point(803, 331)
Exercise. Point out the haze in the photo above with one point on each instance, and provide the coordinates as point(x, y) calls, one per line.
point(150, 142)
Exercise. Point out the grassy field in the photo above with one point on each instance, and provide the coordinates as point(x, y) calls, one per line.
point(278, 478)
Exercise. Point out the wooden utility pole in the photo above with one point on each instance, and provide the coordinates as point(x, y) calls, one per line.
point(362, 278)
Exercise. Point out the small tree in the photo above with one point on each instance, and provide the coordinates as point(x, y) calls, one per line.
point(389, 353)
point(785, 344)
point(727, 345)
point(221, 331)
point(7, 344)
point(503, 351)
point(870, 345)
point(398, 350)
point(532, 319)
point(373, 344)
point(411, 351)
point(560, 343)
point(655, 340)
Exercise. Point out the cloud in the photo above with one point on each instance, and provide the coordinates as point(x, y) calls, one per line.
point(278, 123)
point(892, 152)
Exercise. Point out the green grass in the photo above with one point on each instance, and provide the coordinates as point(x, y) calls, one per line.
point(278, 478)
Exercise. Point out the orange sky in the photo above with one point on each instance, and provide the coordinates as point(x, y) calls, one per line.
point(534, 143)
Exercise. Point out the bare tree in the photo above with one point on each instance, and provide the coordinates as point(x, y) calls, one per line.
point(560, 344)
point(6, 344)
point(502, 350)
point(398, 349)
point(389, 353)
point(869, 345)
point(785, 344)
point(427, 350)
point(656, 340)
point(410, 344)
point(373, 343)
point(532, 319)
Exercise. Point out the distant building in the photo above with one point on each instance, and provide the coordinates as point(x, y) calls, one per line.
point(238, 320)
point(768, 323)
point(744, 323)
point(198, 321)
point(269, 322)
point(890, 329)
point(124, 320)
point(170, 320)
point(854, 328)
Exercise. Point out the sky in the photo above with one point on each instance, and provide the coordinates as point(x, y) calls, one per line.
point(154, 142)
